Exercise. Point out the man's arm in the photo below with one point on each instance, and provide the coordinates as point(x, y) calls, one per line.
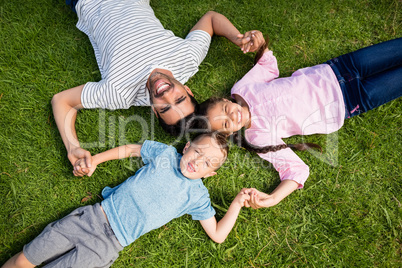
point(215, 23)
point(218, 231)
point(124, 151)
point(65, 107)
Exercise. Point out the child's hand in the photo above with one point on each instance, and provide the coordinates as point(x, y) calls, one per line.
point(242, 198)
point(81, 169)
point(259, 199)
point(78, 153)
point(251, 41)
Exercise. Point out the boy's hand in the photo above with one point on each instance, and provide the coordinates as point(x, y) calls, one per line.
point(81, 169)
point(250, 41)
point(242, 198)
point(259, 199)
point(78, 153)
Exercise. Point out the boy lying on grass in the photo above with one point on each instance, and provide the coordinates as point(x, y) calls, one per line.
point(166, 187)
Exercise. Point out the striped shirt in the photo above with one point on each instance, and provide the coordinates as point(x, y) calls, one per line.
point(129, 43)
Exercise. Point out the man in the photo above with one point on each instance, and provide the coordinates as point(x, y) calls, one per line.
point(140, 62)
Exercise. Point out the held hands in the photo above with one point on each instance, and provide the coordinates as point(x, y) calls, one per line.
point(250, 41)
point(258, 199)
point(251, 197)
point(242, 198)
point(81, 168)
point(80, 154)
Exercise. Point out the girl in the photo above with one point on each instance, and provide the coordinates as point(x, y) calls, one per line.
point(313, 100)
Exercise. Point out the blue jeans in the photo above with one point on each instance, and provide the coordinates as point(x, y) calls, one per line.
point(369, 77)
point(72, 3)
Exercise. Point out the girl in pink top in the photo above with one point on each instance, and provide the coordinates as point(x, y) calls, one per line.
point(313, 100)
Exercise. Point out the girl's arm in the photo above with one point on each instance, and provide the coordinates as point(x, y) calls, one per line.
point(218, 231)
point(293, 172)
point(264, 70)
point(115, 153)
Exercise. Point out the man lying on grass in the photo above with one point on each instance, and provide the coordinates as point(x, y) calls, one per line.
point(141, 64)
point(166, 187)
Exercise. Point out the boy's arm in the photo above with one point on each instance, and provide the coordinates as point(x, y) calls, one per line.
point(218, 231)
point(120, 152)
point(65, 107)
point(215, 23)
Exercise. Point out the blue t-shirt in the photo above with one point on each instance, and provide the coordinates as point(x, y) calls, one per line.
point(156, 194)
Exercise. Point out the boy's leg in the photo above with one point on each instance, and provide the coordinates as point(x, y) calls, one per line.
point(95, 243)
point(83, 256)
point(81, 239)
point(18, 261)
point(55, 240)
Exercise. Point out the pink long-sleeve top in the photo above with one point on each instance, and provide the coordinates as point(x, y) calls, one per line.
point(308, 102)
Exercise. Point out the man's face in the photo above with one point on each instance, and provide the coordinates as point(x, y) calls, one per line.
point(201, 158)
point(169, 98)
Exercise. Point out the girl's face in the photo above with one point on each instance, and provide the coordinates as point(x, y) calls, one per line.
point(226, 116)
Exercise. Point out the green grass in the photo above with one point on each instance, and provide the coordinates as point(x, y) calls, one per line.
point(348, 215)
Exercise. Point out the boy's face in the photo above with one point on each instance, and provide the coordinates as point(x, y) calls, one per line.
point(201, 158)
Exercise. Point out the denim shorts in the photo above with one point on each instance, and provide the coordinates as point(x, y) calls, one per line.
point(83, 238)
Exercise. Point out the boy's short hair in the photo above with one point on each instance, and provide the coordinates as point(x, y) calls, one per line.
point(220, 139)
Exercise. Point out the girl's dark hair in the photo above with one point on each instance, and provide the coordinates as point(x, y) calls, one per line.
point(200, 121)
point(240, 140)
point(260, 50)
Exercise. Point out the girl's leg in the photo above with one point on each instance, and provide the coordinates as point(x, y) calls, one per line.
point(381, 88)
point(374, 59)
point(369, 77)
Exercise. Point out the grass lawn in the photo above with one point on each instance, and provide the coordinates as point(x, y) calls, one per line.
point(348, 215)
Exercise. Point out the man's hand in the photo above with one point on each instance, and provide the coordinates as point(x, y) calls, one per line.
point(215, 23)
point(81, 169)
point(250, 41)
point(80, 154)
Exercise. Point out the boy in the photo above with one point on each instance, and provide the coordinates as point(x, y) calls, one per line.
point(166, 187)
